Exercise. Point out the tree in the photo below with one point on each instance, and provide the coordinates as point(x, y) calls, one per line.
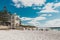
point(6, 15)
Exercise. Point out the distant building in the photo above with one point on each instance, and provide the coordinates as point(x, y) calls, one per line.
point(28, 27)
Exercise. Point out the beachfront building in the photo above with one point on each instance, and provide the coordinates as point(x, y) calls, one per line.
point(15, 21)
point(9, 20)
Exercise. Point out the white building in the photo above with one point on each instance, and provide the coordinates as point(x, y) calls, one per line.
point(15, 21)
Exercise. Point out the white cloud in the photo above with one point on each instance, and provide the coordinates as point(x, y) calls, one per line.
point(48, 11)
point(44, 15)
point(15, 1)
point(26, 18)
point(57, 5)
point(33, 21)
point(53, 23)
point(49, 7)
point(49, 14)
point(29, 3)
point(36, 18)
point(17, 5)
point(37, 8)
point(40, 18)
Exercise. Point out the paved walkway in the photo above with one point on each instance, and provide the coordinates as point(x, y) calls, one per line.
point(29, 35)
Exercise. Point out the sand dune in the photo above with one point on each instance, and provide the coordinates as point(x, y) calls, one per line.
point(29, 35)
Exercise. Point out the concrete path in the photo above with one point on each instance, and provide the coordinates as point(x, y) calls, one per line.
point(29, 35)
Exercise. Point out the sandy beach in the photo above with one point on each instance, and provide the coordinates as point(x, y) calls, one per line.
point(29, 35)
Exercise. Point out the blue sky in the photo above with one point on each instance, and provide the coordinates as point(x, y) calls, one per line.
point(40, 13)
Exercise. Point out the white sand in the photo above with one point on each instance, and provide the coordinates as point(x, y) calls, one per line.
point(29, 35)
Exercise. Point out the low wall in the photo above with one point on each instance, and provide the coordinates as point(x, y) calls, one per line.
point(22, 28)
point(3, 27)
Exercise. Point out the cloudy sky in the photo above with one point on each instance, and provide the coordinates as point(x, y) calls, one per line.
point(40, 13)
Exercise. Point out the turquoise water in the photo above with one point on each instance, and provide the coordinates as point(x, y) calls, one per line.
point(57, 28)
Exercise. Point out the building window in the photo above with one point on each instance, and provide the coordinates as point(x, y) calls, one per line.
point(17, 18)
